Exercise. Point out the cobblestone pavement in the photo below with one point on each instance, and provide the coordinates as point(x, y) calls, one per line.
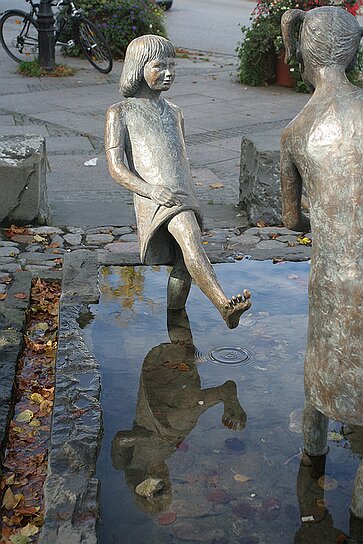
point(40, 250)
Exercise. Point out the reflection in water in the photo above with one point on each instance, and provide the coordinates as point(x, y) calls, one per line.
point(128, 287)
point(217, 487)
point(170, 402)
point(314, 509)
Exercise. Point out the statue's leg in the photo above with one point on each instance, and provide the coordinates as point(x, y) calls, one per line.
point(179, 283)
point(315, 430)
point(185, 229)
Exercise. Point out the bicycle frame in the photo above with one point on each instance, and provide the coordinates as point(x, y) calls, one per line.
point(60, 19)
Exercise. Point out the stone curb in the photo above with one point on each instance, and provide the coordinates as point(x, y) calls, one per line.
point(71, 505)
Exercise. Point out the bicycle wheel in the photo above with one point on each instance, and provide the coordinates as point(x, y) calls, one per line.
point(94, 45)
point(19, 36)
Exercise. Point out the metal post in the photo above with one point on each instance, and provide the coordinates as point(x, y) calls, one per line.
point(46, 40)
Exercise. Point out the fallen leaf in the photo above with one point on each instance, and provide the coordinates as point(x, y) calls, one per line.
point(166, 519)
point(20, 296)
point(327, 483)
point(46, 407)
point(27, 510)
point(9, 500)
point(241, 478)
point(3, 296)
point(10, 480)
point(13, 230)
point(261, 224)
point(244, 510)
point(29, 530)
point(36, 398)
point(304, 240)
point(216, 185)
point(168, 364)
point(18, 429)
point(19, 539)
point(336, 437)
point(38, 238)
point(25, 416)
point(273, 236)
point(35, 423)
point(219, 496)
point(183, 367)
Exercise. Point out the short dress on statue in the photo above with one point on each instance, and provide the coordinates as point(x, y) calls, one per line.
point(150, 133)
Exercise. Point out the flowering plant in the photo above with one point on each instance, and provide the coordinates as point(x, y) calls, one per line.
point(263, 40)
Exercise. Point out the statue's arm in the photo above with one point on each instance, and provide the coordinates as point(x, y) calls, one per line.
point(291, 191)
point(115, 135)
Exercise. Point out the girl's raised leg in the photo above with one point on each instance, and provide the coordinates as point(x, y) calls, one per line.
point(186, 231)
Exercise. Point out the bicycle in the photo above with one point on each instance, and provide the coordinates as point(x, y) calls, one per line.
point(19, 34)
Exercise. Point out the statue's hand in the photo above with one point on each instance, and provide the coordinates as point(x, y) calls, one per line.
point(163, 196)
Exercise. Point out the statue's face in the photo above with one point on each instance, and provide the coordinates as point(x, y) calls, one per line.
point(159, 74)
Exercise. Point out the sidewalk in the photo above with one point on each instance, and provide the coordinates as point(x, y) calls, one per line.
point(70, 112)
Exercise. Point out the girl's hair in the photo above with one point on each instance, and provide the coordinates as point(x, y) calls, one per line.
point(327, 35)
point(138, 53)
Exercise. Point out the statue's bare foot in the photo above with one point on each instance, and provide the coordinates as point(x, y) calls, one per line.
point(234, 417)
point(235, 308)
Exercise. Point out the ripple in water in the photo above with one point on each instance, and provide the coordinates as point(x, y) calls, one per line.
point(226, 356)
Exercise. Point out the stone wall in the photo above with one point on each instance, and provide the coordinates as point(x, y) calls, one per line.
point(260, 196)
point(23, 180)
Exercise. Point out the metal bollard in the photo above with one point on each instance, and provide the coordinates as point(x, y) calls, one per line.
point(46, 38)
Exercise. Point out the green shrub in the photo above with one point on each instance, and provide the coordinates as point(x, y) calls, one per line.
point(123, 20)
point(257, 56)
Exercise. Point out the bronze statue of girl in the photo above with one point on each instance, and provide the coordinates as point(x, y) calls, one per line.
point(149, 130)
point(322, 148)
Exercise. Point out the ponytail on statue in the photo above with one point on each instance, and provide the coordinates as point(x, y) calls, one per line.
point(289, 24)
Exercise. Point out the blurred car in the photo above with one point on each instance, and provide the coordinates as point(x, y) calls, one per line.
point(165, 4)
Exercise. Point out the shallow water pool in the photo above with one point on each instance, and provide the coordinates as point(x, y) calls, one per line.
point(212, 413)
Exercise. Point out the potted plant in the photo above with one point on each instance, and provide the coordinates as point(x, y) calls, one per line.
point(261, 52)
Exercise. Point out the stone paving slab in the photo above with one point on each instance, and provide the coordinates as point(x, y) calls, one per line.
point(8, 130)
point(6, 120)
point(69, 144)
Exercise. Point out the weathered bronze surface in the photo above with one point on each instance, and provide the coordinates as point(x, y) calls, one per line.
point(148, 131)
point(169, 404)
point(323, 148)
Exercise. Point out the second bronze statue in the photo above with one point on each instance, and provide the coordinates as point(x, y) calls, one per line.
point(149, 132)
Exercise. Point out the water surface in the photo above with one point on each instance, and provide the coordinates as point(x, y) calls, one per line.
point(223, 438)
